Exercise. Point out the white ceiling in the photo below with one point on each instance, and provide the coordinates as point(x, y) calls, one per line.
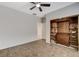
point(25, 7)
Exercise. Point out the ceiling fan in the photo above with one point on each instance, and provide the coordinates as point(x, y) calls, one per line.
point(38, 5)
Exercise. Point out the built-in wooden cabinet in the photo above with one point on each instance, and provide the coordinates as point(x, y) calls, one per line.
point(74, 32)
point(65, 31)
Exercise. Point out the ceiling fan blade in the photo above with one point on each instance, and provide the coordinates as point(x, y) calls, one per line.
point(33, 2)
point(46, 5)
point(32, 7)
point(40, 9)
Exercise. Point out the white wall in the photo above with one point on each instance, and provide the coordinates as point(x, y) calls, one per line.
point(66, 11)
point(16, 27)
point(41, 29)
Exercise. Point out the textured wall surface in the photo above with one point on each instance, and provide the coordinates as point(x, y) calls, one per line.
point(16, 27)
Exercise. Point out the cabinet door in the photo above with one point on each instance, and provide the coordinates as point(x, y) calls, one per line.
point(62, 38)
point(63, 27)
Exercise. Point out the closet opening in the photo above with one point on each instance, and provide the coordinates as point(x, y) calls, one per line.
point(65, 31)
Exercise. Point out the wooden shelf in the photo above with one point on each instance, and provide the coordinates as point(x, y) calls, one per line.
point(65, 30)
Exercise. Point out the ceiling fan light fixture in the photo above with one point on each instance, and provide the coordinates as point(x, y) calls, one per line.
point(37, 5)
